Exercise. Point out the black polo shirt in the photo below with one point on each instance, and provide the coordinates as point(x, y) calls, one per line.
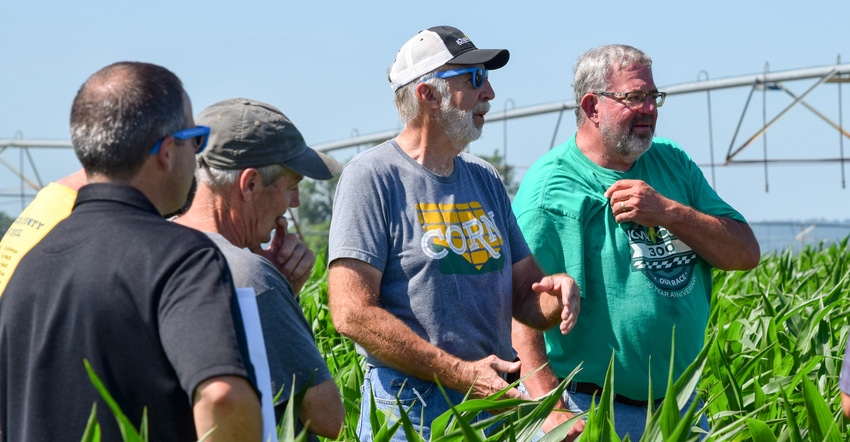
point(149, 303)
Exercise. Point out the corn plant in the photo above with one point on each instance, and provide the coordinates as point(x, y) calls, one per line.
point(780, 334)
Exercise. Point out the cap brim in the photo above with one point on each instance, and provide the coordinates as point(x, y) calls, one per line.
point(490, 58)
point(315, 165)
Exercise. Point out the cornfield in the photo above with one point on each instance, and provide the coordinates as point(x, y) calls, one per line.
point(768, 371)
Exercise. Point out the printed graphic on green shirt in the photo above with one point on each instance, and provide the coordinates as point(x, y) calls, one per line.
point(462, 236)
point(663, 258)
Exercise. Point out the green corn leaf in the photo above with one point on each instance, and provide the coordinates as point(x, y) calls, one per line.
point(821, 424)
point(128, 431)
point(286, 428)
point(92, 431)
point(759, 431)
point(409, 431)
point(792, 430)
point(600, 420)
point(469, 433)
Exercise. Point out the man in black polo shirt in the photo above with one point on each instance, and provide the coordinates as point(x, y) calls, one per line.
point(150, 304)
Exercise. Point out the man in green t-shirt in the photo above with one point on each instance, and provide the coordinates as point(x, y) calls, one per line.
point(632, 219)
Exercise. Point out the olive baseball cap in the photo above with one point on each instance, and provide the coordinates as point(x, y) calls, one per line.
point(247, 133)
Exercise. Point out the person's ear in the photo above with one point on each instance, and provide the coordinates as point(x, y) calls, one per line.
point(427, 95)
point(164, 154)
point(249, 179)
point(590, 105)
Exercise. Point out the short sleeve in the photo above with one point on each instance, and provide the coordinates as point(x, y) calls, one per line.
point(200, 323)
point(359, 224)
point(555, 241)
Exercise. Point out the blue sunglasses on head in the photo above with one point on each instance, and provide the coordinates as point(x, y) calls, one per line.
point(478, 75)
point(199, 135)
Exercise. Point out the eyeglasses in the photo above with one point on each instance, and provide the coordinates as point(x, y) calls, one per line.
point(478, 75)
point(636, 99)
point(199, 135)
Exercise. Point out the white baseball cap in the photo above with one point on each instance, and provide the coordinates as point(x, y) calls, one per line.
point(437, 46)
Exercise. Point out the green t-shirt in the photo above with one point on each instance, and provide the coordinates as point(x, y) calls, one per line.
point(637, 283)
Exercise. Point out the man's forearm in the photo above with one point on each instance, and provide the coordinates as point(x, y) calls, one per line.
point(394, 343)
point(354, 303)
point(531, 350)
point(322, 407)
point(530, 347)
point(723, 242)
point(353, 287)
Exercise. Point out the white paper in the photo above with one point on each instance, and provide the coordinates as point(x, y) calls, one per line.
point(257, 351)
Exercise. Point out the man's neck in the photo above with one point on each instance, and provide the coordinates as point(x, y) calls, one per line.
point(208, 214)
point(146, 181)
point(432, 149)
point(590, 144)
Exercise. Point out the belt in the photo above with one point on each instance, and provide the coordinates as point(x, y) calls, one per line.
point(591, 389)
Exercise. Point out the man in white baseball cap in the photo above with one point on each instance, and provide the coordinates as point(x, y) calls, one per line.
point(427, 264)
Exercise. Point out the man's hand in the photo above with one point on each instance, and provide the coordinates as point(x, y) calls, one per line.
point(565, 289)
point(485, 377)
point(290, 256)
point(636, 201)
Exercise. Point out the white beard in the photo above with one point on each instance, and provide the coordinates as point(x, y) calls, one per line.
point(459, 124)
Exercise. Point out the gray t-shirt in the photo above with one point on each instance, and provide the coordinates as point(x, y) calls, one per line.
point(290, 345)
point(445, 246)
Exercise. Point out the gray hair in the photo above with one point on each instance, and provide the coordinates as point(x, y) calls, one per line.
point(593, 70)
point(120, 112)
point(405, 96)
point(219, 180)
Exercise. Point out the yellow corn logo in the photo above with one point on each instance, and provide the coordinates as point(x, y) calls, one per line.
point(463, 229)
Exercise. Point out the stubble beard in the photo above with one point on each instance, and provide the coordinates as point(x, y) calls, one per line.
point(625, 142)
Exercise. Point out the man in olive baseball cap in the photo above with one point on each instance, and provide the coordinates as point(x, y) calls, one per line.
point(247, 179)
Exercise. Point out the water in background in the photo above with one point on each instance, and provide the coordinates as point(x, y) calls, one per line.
point(778, 236)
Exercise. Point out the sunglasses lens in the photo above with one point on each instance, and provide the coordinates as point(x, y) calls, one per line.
point(478, 77)
point(200, 141)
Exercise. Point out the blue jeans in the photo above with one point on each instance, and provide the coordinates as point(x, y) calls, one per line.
point(628, 419)
point(422, 400)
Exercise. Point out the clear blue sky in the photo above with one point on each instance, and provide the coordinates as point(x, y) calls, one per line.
point(324, 63)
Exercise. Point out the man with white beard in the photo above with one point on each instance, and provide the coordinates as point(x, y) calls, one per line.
point(634, 221)
point(427, 264)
